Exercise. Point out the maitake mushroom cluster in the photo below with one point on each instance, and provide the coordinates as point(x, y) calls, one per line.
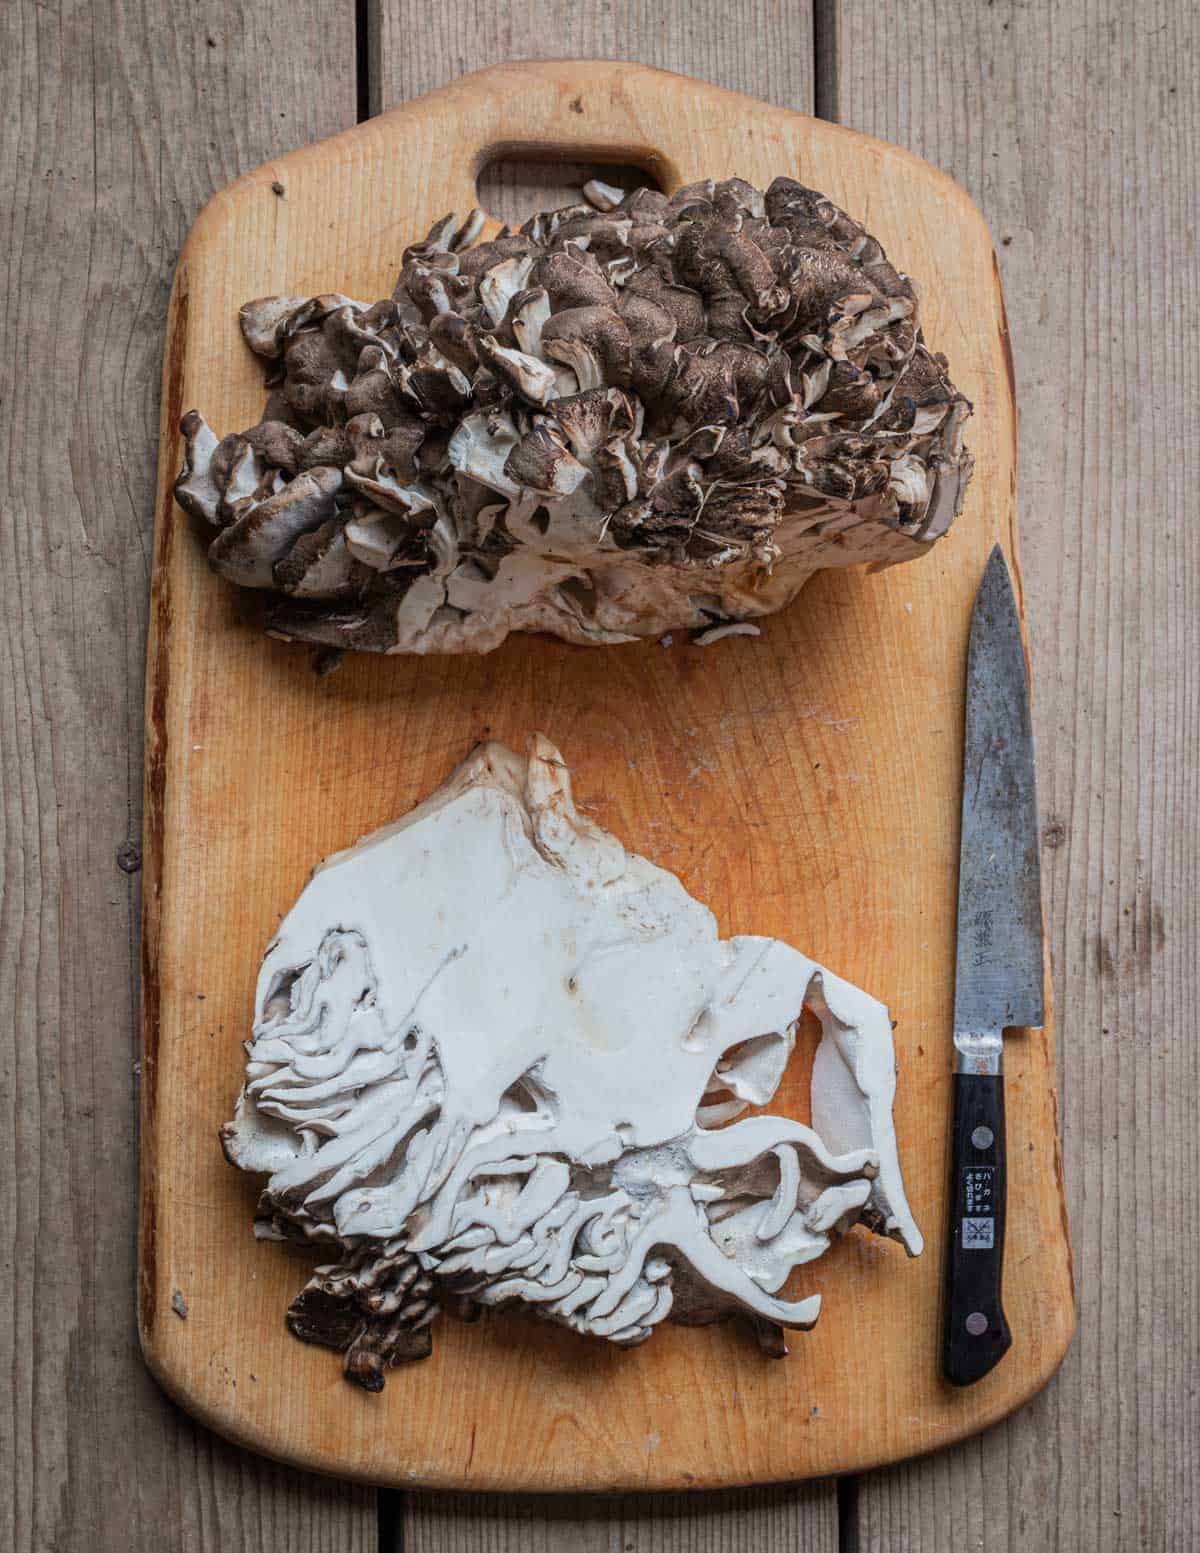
point(500, 1061)
point(633, 414)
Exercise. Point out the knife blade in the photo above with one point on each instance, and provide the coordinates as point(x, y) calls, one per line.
point(998, 981)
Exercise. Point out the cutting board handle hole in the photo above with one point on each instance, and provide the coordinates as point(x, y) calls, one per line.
point(512, 186)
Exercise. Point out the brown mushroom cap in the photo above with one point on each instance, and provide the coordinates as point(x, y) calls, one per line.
point(637, 412)
point(596, 335)
point(542, 462)
point(277, 444)
point(246, 551)
point(573, 278)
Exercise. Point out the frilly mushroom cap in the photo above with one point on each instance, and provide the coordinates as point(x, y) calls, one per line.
point(635, 414)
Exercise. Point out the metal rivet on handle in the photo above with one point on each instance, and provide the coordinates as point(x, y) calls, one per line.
point(977, 1323)
point(983, 1137)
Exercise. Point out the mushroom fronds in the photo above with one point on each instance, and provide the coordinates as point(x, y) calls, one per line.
point(692, 403)
point(568, 1152)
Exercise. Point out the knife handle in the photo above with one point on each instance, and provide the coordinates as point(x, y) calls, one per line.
point(976, 1331)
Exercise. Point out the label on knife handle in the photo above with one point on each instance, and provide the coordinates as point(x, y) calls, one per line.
point(976, 1208)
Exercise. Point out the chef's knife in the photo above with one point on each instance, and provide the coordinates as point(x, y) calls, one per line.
point(998, 975)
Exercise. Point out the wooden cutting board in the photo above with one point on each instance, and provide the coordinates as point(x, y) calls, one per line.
point(805, 783)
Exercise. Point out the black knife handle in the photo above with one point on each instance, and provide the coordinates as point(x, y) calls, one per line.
point(976, 1331)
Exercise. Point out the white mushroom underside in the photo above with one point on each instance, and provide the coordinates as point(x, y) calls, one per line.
point(493, 1047)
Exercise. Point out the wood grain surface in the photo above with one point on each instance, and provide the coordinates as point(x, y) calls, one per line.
point(1063, 120)
point(767, 54)
point(1076, 127)
point(119, 121)
point(806, 784)
point(695, 38)
point(797, 1518)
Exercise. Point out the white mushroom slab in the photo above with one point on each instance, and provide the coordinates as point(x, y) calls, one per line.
point(498, 1059)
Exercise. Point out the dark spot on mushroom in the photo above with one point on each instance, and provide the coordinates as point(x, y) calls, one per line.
point(278, 188)
point(576, 104)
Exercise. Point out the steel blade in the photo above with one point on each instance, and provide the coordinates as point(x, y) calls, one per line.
point(998, 978)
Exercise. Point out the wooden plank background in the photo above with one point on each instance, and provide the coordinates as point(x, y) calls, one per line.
point(1075, 126)
point(119, 119)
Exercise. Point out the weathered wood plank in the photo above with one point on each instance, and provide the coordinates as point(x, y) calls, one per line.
point(768, 54)
point(119, 122)
point(765, 51)
point(766, 1520)
point(1075, 126)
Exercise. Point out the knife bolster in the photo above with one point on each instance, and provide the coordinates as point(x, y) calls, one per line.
point(979, 1051)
